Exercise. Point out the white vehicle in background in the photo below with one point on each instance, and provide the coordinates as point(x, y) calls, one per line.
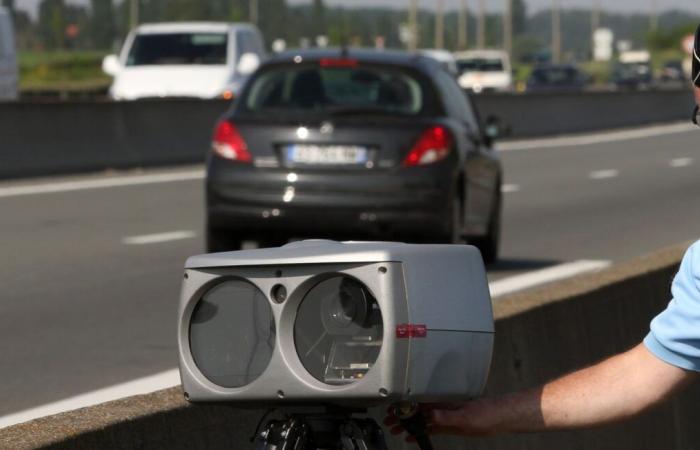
point(445, 58)
point(185, 59)
point(9, 73)
point(484, 71)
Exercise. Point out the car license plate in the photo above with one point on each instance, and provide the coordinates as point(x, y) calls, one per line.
point(327, 154)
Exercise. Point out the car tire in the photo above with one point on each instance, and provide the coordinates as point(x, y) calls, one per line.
point(223, 240)
point(489, 245)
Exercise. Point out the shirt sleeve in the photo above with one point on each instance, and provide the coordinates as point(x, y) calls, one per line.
point(675, 333)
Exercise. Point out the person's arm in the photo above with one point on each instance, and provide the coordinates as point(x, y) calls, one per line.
point(613, 390)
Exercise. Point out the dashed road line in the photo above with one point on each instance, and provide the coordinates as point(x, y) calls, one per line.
point(159, 238)
point(510, 188)
point(680, 162)
point(604, 174)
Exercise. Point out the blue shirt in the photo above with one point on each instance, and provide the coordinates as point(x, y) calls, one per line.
point(675, 333)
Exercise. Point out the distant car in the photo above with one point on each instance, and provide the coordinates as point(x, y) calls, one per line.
point(484, 71)
point(444, 58)
point(556, 78)
point(9, 72)
point(673, 71)
point(633, 76)
point(185, 59)
point(348, 144)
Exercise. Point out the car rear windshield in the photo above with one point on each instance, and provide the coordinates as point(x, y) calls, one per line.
point(349, 90)
point(480, 65)
point(554, 75)
point(178, 49)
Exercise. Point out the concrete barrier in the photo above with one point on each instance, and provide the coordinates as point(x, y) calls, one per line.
point(547, 114)
point(540, 334)
point(70, 137)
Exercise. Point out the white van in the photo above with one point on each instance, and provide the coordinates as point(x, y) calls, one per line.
point(9, 74)
point(484, 70)
point(185, 59)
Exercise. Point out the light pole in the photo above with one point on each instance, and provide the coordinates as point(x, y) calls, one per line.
point(508, 28)
point(481, 25)
point(595, 24)
point(134, 13)
point(462, 26)
point(439, 24)
point(654, 16)
point(253, 13)
point(556, 31)
point(413, 25)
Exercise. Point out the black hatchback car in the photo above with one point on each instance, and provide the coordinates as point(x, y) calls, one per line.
point(350, 144)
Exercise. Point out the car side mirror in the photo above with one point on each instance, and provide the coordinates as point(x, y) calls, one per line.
point(248, 63)
point(495, 129)
point(111, 65)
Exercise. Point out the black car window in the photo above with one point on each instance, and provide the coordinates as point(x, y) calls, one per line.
point(336, 89)
point(455, 100)
point(178, 48)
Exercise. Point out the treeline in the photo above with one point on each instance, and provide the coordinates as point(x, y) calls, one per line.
point(102, 24)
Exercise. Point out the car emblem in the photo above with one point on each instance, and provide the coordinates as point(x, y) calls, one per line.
point(326, 128)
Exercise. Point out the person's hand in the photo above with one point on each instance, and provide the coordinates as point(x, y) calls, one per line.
point(457, 419)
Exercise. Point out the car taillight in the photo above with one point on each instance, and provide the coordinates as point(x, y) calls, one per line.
point(229, 144)
point(433, 145)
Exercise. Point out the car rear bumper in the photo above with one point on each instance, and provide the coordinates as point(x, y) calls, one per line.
point(341, 204)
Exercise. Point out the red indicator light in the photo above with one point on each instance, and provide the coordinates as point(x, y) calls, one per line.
point(409, 330)
point(337, 62)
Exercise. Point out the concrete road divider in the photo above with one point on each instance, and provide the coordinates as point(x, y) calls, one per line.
point(548, 114)
point(540, 334)
point(69, 137)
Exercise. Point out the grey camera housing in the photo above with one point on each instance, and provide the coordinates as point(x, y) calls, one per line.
point(441, 287)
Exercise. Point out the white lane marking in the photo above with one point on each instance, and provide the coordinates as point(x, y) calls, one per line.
point(597, 138)
point(604, 174)
point(140, 386)
point(80, 185)
point(680, 162)
point(158, 238)
point(509, 188)
point(170, 378)
point(538, 277)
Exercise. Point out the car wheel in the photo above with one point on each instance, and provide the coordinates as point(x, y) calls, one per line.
point(489, 245)
point(223, 240)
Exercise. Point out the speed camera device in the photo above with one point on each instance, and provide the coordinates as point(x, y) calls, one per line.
point(321, 322)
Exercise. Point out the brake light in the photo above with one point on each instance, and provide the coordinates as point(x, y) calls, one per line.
point(229, 144)
point(338, 62)
point(433, 145)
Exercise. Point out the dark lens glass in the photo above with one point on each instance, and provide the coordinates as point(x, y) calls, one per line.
point(338, 330)
point(232, 334)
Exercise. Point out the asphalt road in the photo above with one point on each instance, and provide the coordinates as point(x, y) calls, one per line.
point(90, 283)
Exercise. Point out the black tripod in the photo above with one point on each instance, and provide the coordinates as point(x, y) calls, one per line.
point(322, 432)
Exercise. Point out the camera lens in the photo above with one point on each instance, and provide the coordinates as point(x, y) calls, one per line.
point(232, 333)
point(338, 330)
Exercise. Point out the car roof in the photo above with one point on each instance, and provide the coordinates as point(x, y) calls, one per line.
point(371, 56)
point(185, 27)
